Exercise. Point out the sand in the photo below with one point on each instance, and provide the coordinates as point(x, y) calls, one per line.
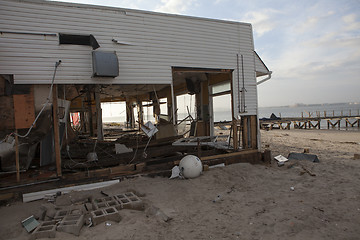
point(252, 201)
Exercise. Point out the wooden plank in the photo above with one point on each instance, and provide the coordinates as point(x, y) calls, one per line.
point(253, 130)
point(56, 130)
point(24, 110)
point(228, 155)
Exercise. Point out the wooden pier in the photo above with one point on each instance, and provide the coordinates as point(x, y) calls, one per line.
point(313, 121)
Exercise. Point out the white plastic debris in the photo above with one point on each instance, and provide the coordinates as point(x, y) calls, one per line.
point(149, 129)
point(175, 172)
point(217, 165)
point(281, 160)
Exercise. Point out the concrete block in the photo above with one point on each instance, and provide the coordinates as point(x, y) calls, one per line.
point(46, 229)
point(112, 203)
point(98, 216)
point(112, 214)
point(71, 224)
point(102, 202)
point(59, 215)
point(106, 214)
point(130, 201)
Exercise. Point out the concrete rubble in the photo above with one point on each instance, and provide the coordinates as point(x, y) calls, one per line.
point(71, 219)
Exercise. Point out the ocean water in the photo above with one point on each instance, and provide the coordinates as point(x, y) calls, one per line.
point(296, 111)
point(337, 109)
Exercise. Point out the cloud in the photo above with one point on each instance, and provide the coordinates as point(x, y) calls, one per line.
point(175, 6)
point(262, 20)
point(351, 23)
point(312, 22)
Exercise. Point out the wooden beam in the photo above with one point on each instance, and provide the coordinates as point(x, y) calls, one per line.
point(253, 130)
point(56, 130)
point(99, 125)
point(235, 134)
point(228, 155)
point(245, 133)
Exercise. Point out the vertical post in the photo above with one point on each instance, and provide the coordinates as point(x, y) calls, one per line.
point(88, 99)
point(302, 115)
point(328, 124)
point(140, 113)
point(17, 156)
point(235, 136)
point(99, 125)
point(245, 133)
point(56, 130)
point(333, 113)
point(253, 131)
point(199, 148)
point(174, 118)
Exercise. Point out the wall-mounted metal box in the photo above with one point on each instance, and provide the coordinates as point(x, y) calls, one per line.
point(105, 64)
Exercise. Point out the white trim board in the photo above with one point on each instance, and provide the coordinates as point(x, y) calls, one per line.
point(28, 197)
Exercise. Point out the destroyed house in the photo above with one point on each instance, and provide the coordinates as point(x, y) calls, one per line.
point(61, 62)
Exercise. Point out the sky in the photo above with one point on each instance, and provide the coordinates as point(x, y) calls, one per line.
point(312, 47)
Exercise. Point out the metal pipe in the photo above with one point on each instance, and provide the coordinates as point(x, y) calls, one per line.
point(243, 89)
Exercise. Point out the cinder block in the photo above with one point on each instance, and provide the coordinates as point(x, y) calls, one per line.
point(112, 214)
point(98, 216)
point(130, 201)
point(59, 215)
point(71, 224)
point(46, 229)
point(112, 203)
point(106, 214)
point(103, 202)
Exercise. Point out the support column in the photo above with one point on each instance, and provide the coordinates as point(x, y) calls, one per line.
point(130, 118)
point(56, 130)
point(174, 118)
point(140, 113)
point(99, 125)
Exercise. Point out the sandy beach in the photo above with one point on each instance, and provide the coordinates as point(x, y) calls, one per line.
point(300, 200)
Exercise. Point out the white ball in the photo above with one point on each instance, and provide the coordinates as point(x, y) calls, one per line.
point(190, 166)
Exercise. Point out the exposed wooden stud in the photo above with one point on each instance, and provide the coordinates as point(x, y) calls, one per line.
point(99, 125)
point(56, 130)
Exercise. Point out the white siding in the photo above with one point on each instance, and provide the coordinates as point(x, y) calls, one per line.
point(157, 42)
